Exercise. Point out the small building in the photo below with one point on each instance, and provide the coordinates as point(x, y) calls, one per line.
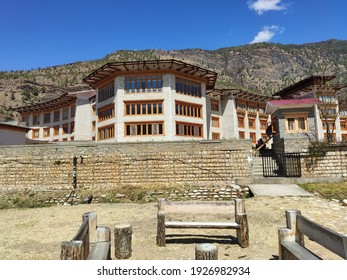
point(12, 134)
point(298, 116)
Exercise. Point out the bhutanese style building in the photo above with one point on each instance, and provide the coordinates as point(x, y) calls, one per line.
point(161, 100)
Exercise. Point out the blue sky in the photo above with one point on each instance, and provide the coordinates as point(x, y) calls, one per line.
point(41, 33)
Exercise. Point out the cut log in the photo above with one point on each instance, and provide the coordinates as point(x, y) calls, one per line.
point(71, 250)
point(161, 238)
point(206, 251)
point(123, 241)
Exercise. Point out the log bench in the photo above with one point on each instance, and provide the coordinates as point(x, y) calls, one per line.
point(203, 207)
point(291, 238)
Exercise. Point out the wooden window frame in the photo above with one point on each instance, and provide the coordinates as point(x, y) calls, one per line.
point(56, 116)
point(65, 129)
point(189, 129)
point(143, 84)
point(215, 105)
point(252, 119)
point(47, 129)
point(106, 113)
point(44, 117)
point(263, 124)
point(143, 107)
point(215, 136)
point(56, 131)
point(188, 109)
point(296, 117)
point(215, 121)
point(253, 137)
point(36, 117)
point(65, 113)
point(109, 129)
point(243, 121)
point(241, 135)
point(142, 129)
point(34, 131)
point(188, 87)
point(106, 91)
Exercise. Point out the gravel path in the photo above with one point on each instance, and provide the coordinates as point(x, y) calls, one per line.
point(37, 233)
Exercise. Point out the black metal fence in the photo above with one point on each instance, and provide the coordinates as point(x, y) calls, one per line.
point(281, 165)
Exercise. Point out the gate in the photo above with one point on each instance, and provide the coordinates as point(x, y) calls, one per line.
point(281, 165)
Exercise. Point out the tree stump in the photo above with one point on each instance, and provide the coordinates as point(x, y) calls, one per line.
point(122, 241)
point(71, 250)
point(206, 251)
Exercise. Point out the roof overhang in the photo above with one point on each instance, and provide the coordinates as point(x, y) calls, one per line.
point(63, 100)
point(12, 127)
point(304, 85)
point(238, 93)
point(172, 65)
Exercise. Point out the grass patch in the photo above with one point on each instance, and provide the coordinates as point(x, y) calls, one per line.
point(327, 190)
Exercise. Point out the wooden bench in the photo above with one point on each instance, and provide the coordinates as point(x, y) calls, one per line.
point(203, 207)
point(291, 238)
point(91, 242)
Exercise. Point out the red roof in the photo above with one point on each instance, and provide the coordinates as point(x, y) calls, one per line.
point(273, 105)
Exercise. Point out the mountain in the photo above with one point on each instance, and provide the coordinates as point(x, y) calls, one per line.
point(262, 68)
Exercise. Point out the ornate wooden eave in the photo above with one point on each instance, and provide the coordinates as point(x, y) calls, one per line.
point(63, 100)
point(133, 67)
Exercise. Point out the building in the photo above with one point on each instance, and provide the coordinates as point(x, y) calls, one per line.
point(12, 134)
point(303, 112)
point(161, 100)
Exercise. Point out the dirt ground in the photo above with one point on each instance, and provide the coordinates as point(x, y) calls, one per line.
point(36, 234)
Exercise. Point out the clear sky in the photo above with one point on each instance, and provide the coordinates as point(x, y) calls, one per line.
point(41, 33)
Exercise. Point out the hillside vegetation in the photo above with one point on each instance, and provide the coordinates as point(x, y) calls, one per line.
point(263, 68)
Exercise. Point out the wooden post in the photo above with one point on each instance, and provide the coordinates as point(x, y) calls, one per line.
point(206, 251)
point(242, 232)
point(240, 208)
point(291, 224)
point(161, 204)
point(104, 235)
point(122, 241)
point(71, 250)
point(92, 225)
point(161, 238)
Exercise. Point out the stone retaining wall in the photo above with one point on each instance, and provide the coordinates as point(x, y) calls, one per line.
point(46, 168)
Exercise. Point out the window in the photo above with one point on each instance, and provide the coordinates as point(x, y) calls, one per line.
point(263, 124)
point(106, 113)
point(241, 135)
point(241, 106)
point(106, 132)
point(154, 107)
point(36, 119)
point(46, 132)
point(241, 121)
point(73, 110)
point(251, 123)
point(261, 110)
point(143, 84)
point(214, 105)
point(296, 122)
point(188, 129)
point(188, 109)
point(56, 130)
point(215, 122)
point(25, 119)
point(344, 137)
point(65, 129)
point(343, 125)
point(106, 92)
point(65, 113)
point(253, 137)
point(215, 136)
point(72, 127)
point(144, 129)
point(36, 133)
point(47, 117)
point(252, 109)
point(56, 116)
point(188, 87)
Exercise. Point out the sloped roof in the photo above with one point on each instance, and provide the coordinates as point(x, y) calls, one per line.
point(170, 65)
point(274, 105)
